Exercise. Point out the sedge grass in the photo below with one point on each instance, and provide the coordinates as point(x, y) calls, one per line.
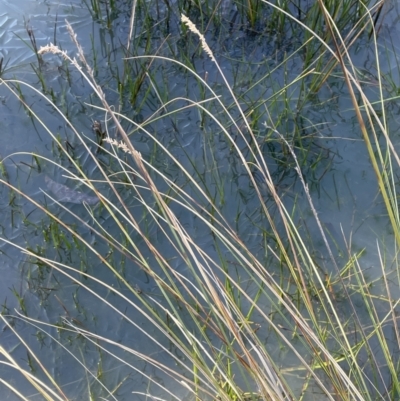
point(206, 314)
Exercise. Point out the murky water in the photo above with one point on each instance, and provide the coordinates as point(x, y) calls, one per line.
point(342, 182)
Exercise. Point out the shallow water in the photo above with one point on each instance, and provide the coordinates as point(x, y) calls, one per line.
point(342, 184)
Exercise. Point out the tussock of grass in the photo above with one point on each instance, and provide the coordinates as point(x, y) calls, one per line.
point(214, 317)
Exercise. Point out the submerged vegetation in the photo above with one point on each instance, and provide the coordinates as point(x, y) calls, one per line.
point(207, 270)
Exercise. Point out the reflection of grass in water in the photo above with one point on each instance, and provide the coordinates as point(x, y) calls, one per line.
point(219, 305)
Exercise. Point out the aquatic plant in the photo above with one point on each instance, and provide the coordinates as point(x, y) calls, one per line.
point(242, 315)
